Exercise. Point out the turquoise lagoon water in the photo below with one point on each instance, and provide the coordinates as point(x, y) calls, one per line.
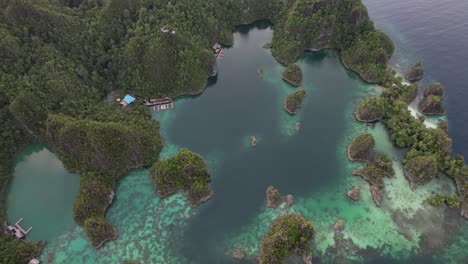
point(310, 163)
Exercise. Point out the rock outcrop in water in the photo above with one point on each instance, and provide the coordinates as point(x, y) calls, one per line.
point(354, 193)
point(432, 103)
point(379, 167)
point(361, 148)
point(292, 74)
point(420, 170)
point(434, 89)
point(416, 73)
point(293, 101)
point(288, 235)
point(185, 171)
point(339, 225)
point(371, 109)
point(238, 254)
point(273, 197)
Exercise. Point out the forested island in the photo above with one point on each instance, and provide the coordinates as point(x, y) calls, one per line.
point(288, 235)
point(293, 101)
point(61, 61)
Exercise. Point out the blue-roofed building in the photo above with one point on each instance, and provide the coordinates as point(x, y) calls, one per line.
point(128, 99)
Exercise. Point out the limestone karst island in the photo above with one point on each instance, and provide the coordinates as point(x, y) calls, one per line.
point(233, 131)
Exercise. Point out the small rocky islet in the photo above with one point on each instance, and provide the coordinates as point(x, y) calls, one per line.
point(432, 104)
point(354, 193)
point(293, 101)
point(415, 73)
point(274, 198)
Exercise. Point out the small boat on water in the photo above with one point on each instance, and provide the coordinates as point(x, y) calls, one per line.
point(260, 72)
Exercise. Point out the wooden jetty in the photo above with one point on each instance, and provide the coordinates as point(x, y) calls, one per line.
point(218, 51)
point(159, 104)
point(17, 230)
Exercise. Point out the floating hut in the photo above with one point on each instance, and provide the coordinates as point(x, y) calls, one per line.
point(159, 104)
point(128, 99)
point(17, 230)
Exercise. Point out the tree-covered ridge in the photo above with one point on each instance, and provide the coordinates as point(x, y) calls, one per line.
point(115, 143)
point(368, 55)
point(343, 25)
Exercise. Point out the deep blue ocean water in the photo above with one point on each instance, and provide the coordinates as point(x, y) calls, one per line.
point(435, 32)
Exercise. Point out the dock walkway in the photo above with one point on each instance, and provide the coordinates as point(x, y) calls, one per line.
point(17, 230)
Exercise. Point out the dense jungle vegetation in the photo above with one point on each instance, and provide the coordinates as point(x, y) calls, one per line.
point(63, 63)
point(429, 149)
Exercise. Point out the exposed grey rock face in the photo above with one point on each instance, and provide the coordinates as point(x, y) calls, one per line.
point(431, 105)
point(434, 89)
point(416, 73)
